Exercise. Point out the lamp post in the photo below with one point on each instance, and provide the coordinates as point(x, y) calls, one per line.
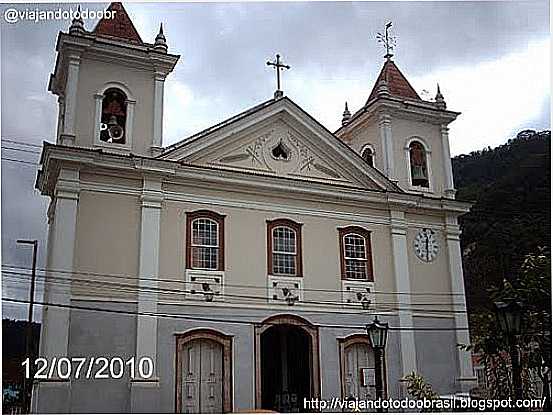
point(34, 243)
point(509, 316)
point(378, 334)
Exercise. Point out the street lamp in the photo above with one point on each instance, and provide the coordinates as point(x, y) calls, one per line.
point(509, 314)
point(378, 334)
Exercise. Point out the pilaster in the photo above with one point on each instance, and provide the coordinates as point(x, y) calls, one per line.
point(61, 114)
point(408, 358)
point(159, 82)
point(449, 187)
point(98, 98)
point(54, 339)
point(465, 376)
point(146, 326)
point(385, 129)
point(74, 63)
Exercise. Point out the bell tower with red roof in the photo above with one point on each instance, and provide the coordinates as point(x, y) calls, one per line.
point(402, 135)
point(110, 85)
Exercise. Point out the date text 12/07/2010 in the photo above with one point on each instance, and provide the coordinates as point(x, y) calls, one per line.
point(89, 368)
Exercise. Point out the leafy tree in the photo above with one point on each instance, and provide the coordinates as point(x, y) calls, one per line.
point(419, 389)
point(533, 291)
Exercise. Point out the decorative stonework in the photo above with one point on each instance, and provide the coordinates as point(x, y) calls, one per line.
point(356, 293)
point(202, 285)
point(280, 151)
point(279, 288)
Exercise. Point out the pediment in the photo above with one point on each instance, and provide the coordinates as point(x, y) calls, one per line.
point(278, 150)
point(282, 143)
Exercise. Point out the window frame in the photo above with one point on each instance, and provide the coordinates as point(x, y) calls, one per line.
point(364, 233)
point(296, 227)
point(220, 220)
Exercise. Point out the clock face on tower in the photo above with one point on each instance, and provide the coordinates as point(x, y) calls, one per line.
point(426, 245)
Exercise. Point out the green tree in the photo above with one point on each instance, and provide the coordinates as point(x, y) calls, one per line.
point(533, 290)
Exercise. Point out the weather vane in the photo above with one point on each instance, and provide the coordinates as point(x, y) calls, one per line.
point(388, 41)
point(278, 65)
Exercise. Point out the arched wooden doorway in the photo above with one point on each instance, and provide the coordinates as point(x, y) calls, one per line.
point(357, 365)
point(203, 372)
point(287, 363)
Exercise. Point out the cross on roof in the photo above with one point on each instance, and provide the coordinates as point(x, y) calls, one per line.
point(278, 65)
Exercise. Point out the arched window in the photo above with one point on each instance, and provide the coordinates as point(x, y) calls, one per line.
point(284, 247)
point(205, 241)
point(368, 155)
point(355, 253)
point(418, 163)
point(114, 116)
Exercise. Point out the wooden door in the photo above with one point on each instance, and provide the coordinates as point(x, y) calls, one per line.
point(359, 372)
point(202, 377)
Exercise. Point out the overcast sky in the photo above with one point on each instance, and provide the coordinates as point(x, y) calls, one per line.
point(492, 60)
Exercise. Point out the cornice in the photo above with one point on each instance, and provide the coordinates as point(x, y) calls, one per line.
point(55, 156)
point(87, 45)
point(402, 108)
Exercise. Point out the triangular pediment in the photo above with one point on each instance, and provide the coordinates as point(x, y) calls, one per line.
point(279, 140)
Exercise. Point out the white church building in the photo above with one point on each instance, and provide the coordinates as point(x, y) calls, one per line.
point(244, 262)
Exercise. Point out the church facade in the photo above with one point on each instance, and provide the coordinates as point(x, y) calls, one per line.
point(242, 263)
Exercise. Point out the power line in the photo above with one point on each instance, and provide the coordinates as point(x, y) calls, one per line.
point(20, 288)
point(152, 293)
point(153, 290)
point(201, 318)
point(23, 143)
point(20, 161)
point(134, 277)
point(23, 150)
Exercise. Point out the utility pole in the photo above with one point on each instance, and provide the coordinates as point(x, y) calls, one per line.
point(28, 337)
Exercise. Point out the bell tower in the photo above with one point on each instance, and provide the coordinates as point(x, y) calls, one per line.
point(402, 135)
point(109, 84)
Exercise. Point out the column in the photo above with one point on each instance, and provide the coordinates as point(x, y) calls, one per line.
point(385, 128)
point(53, 396)
point(159, 80)
point(449, 187)
point(403, 285)
point(145, 392)
point(68, 136)
point(465, 377)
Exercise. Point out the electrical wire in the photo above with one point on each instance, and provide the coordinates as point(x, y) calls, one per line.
point(155, 290)
point(201, 318)
point(264, 287)
point(23, 143)
point(20, 161)
point(23, 150)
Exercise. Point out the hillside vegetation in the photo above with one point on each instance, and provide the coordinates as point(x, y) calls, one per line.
point(510, 187)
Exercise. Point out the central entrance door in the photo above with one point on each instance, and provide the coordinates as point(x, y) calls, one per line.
point(286, 363)
point(285, 368)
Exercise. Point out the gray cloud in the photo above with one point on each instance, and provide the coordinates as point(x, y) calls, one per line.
point(224, 47)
